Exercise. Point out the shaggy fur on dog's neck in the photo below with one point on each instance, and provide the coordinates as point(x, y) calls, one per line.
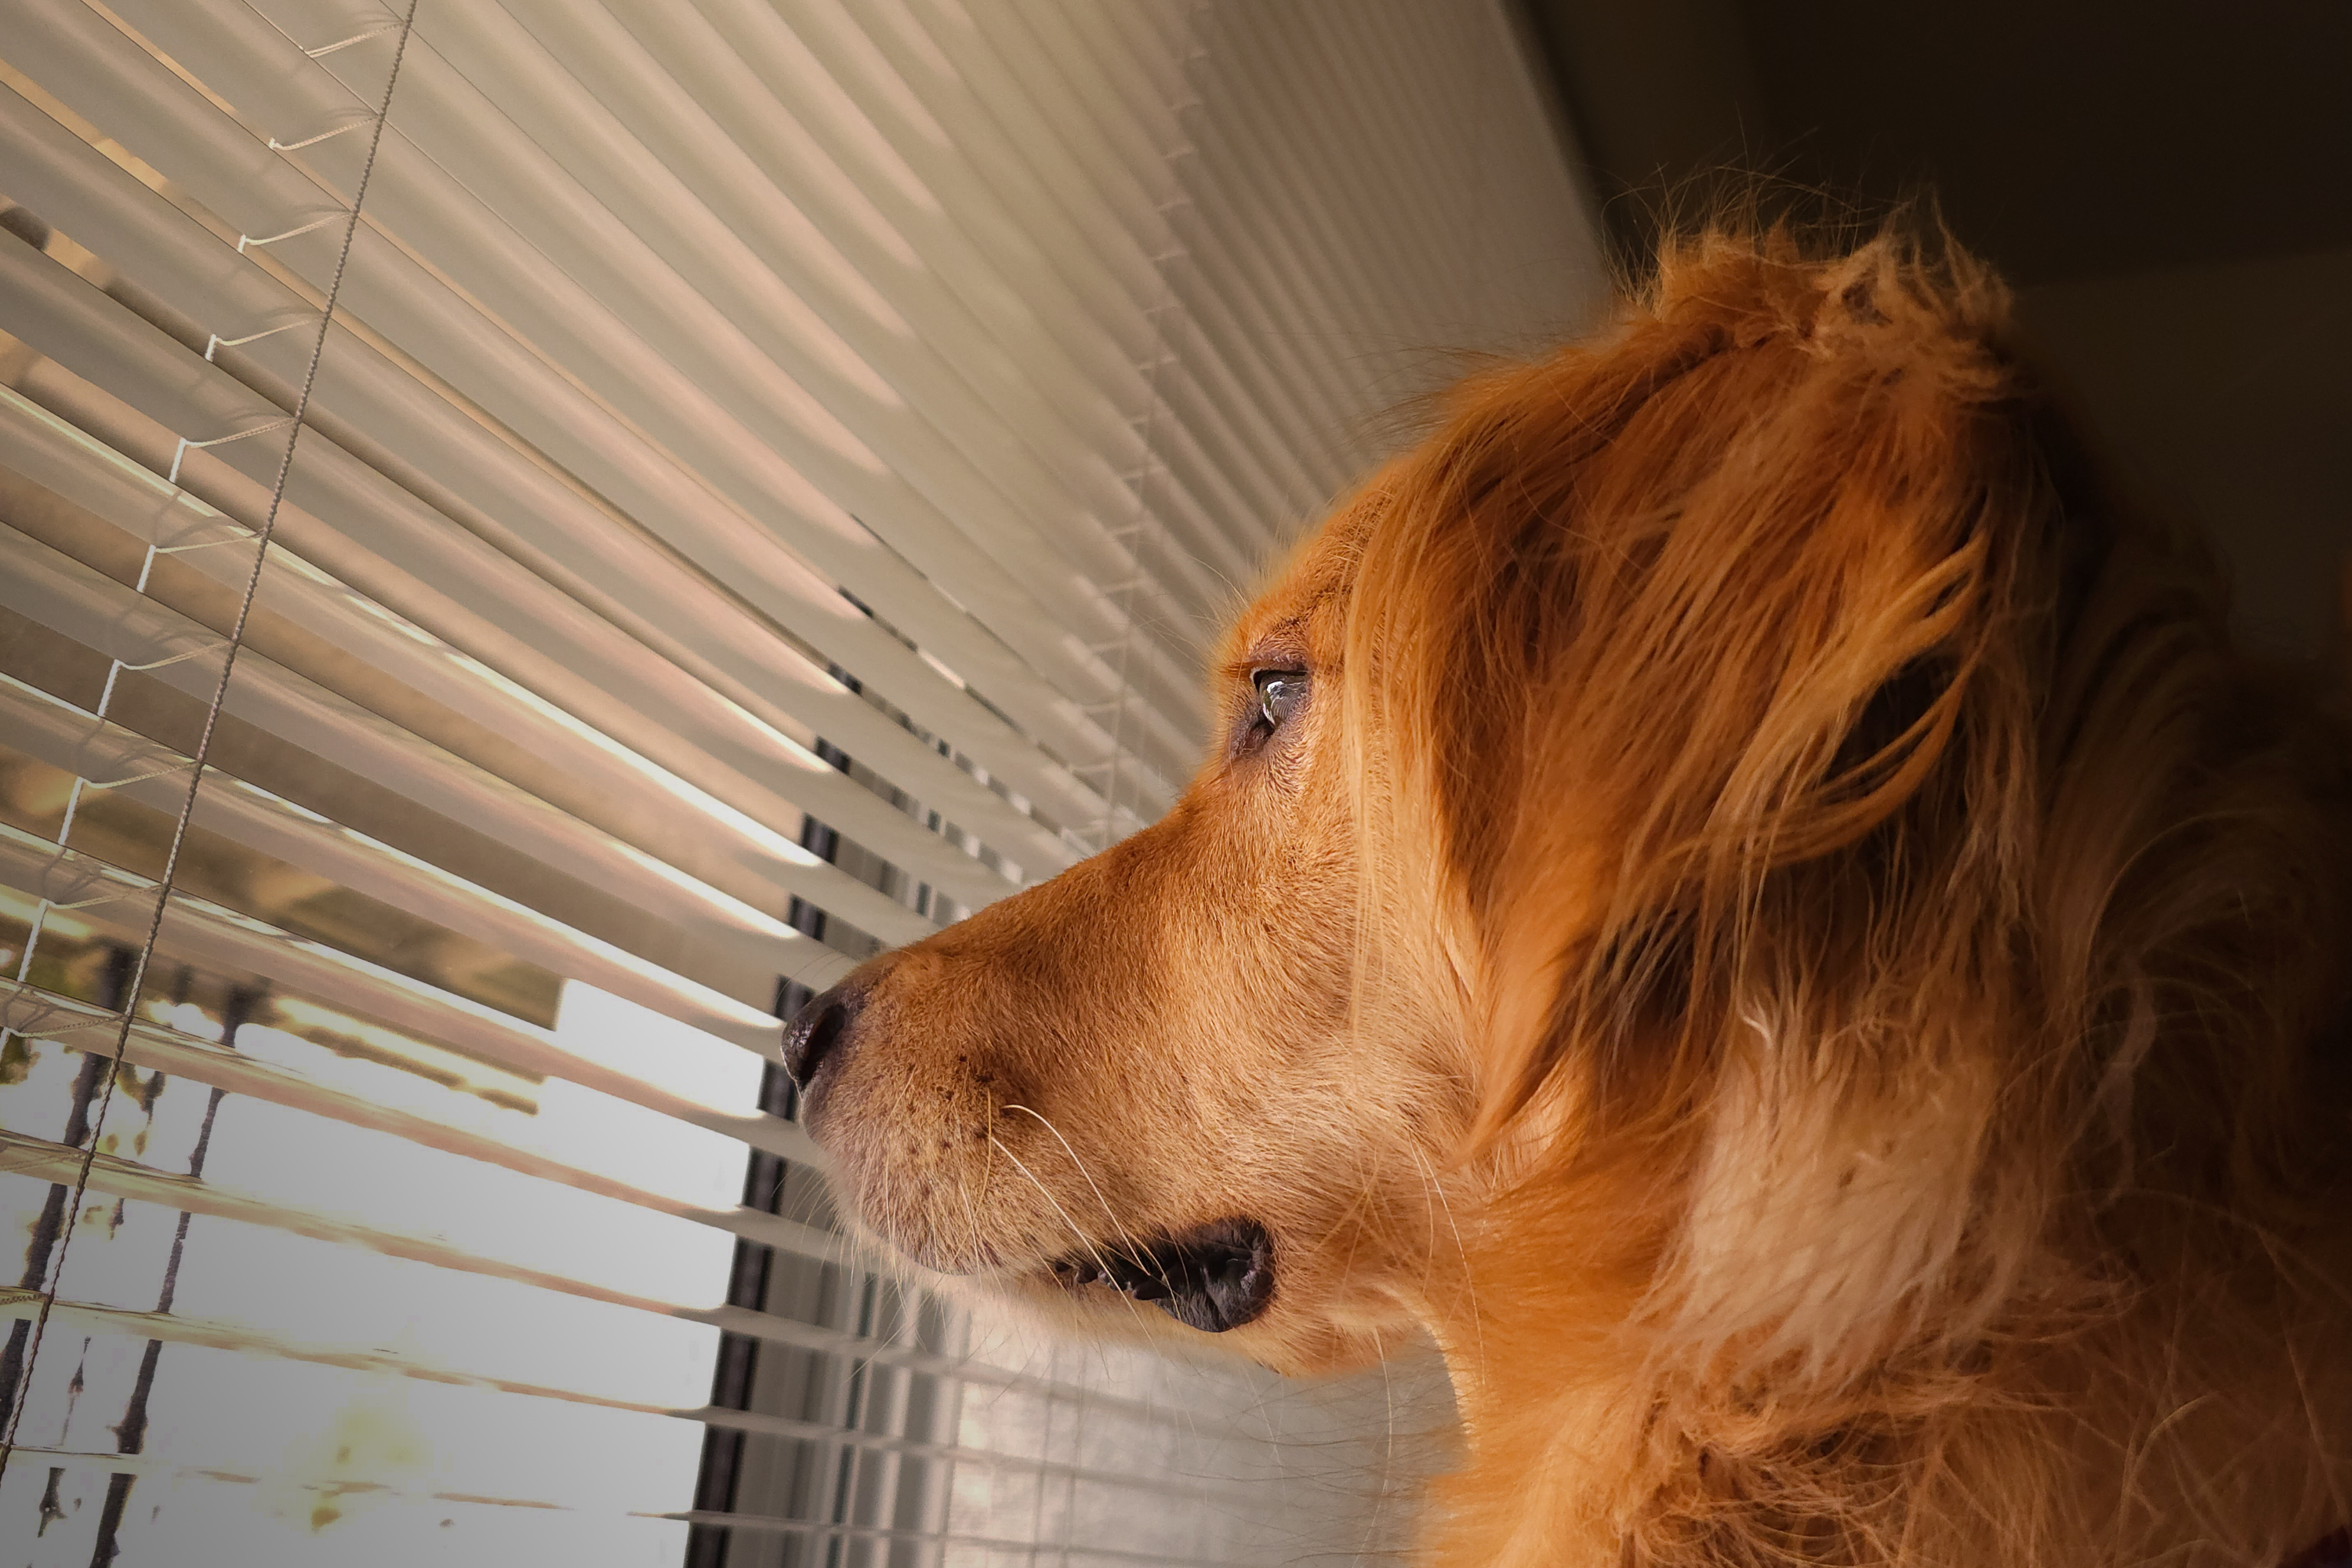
point(1901, 949)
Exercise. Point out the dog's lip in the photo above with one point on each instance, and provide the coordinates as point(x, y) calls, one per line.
point(811, 1095)
point(1214, 1277)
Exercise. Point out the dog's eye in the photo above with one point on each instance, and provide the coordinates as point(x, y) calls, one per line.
point(1279, 694)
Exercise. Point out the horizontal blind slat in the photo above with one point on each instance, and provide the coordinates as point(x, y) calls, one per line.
point(963, 209)
point(973, 166)
point(111, 77)
point(886, 499)
point(116, 903)
point(1054, 140)
point(100, 1320)
point(76, 741)
point(69, 184)
point(962, 300)
point(219, 1066)
point(115, 1176)
point(183, 1328)
point(756, 817)
point(978, 240)
point(1037, 465)
point(127, 1179)
point(101, 614)
point(39, 445)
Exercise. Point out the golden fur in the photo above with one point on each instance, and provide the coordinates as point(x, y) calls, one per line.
point(1782, 936)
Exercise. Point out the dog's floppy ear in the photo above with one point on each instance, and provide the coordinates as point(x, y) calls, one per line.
point(1681, 629)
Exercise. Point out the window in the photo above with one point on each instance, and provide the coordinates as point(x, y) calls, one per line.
point(531, 532)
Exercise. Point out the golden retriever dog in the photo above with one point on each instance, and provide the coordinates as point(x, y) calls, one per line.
point(1742, 892)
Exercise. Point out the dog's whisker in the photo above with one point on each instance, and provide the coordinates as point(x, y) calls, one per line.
point(1462, 1250)
point(1046, 1193)
point(972, 1215)
point(1132, 1246)
point(1387, 1449)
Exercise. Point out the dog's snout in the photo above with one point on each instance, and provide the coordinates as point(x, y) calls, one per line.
point(823, 1030)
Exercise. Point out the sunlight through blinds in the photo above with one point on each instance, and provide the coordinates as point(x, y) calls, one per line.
point(534, 534)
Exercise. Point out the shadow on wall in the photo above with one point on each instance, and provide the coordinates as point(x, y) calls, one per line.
point(2163, 182)
point(2227, 388)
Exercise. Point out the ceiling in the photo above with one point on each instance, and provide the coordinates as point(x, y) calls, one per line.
point(2065, 138)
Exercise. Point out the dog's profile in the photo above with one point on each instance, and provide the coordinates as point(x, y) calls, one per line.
point(1743, 892)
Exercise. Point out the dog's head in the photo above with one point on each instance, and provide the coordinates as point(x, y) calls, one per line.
point(1614, 861)
point(1147, 1078)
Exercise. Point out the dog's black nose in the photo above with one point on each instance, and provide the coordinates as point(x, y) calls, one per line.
point(822, 1030)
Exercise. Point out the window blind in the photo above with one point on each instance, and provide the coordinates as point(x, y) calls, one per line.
point(534, 534)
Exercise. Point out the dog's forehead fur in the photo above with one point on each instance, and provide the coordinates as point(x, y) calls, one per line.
point(1300, 613)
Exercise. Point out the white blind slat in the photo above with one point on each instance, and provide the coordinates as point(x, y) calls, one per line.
point(641, 793)
point(805, 603)
point(79, 743)
point(59, 592)
point(47, 170)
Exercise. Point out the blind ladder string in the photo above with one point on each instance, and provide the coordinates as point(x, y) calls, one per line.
point(1142, 521)
point(129, 996)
